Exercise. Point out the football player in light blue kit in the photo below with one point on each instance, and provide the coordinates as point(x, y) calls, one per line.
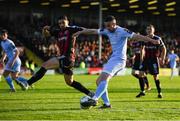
point(118, 37)
point(13, 64)
point(172, 59)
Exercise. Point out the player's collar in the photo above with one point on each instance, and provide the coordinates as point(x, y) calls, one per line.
point(151, 36)
point(113, 30)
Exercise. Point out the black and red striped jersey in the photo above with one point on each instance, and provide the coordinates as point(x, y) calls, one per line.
point(153, 50)
point(65, 41)
point(136, 46)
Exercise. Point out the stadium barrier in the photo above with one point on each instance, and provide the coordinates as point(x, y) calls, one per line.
point(126, 71)
point(91, 71)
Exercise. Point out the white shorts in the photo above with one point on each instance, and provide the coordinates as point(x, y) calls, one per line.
point(15, 68)
point(114, 65)
point(172, 66)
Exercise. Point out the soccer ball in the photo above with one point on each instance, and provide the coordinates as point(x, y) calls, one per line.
point(82, 102)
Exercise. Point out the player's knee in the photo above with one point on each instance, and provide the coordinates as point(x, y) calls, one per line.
point(4, 75)
point(156, 77)
point(97, 81)
point(68, 82)
point(104, 76)
point(141, 74)
point(132, 73)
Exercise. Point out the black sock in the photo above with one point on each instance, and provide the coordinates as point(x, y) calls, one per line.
point(146, 81)
point(80, 87)
point(135, 75)
point(158, 85)
point(141, 84)
point(37, 76)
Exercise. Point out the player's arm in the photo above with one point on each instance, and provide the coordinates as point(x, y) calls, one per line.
point(177, 58)
point(167, 59)
point(133, 58)
point(3, 57)
point(16, 55)
point(144, 38)
point(86, 31)
point(142, 53)
point(163, 55)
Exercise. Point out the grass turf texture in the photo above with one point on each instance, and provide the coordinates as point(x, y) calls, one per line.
point(52, 99)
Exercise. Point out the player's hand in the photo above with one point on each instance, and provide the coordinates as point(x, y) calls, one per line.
point(1, 61)
point(10, 65)
point(76, 34)
point(162, 61)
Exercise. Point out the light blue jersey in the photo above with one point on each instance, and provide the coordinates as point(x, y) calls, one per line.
point(118, 40)
point(172, 58)
point(9, 48)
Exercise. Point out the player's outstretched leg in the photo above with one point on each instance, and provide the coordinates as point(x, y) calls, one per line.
point(78, 86)
point(81, 88)
point(37, 76)
point(52, 63)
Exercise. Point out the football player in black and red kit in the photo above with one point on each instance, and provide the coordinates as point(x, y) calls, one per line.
point(152, 58)
point(137, 61)
point(65, 61)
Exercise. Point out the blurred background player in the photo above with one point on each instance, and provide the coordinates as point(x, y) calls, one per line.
point(118, 38)
point(65, 61)
point(151, 60)
point(137, 61)
point(172, 59)
point(13, 64)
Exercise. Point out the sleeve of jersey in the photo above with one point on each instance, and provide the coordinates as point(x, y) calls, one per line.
point(161, 43)
point(76, 29)
point(13, 47)
point(127, 33)
point(102, 32)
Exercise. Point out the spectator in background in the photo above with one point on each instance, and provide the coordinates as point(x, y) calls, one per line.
point(172, 60)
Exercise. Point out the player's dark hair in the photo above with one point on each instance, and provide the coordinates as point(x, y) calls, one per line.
point(150, 25)
point(109, 18)
point(3, 31)
point(63, 17)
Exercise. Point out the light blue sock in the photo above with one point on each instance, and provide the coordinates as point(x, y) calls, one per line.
point(10, 82)
point(105, 97)
point(21, 79)
point(102, 87)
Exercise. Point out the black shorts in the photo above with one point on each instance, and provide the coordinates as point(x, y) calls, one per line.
point(136, 65)
point(150, 66)
point(66, 65)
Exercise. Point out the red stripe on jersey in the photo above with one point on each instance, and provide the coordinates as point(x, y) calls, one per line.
point(66, 43)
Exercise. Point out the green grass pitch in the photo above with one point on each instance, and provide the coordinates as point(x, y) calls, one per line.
point(52, 99)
